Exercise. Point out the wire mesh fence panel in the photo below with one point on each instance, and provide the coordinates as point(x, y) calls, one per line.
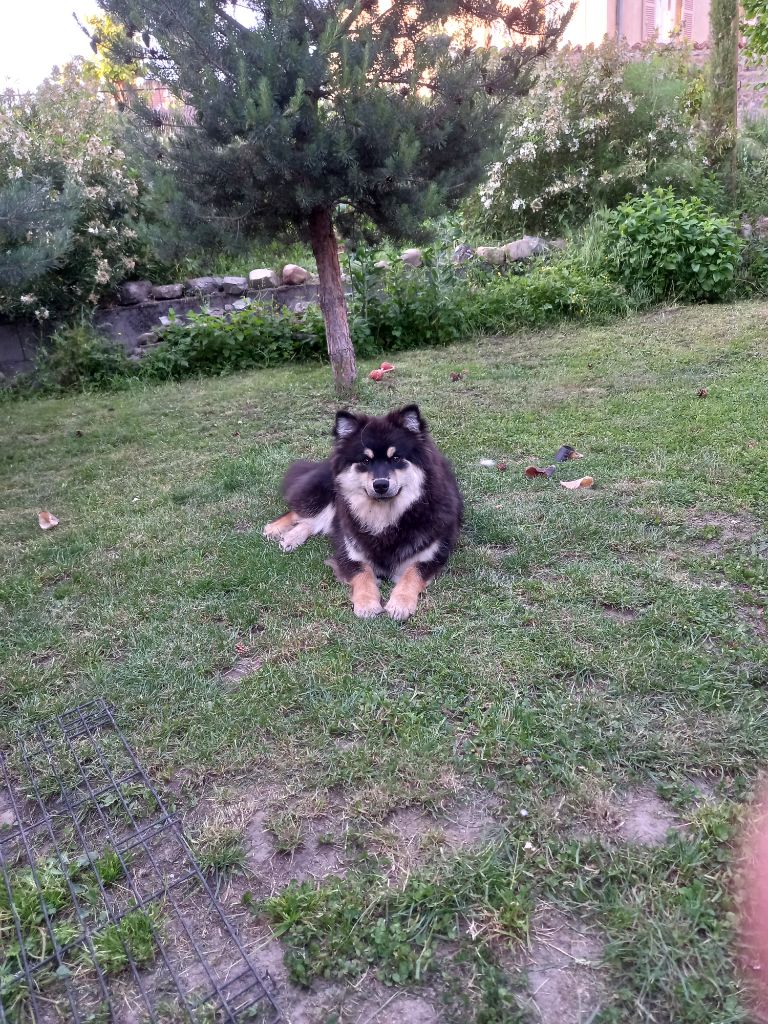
point(105, 914)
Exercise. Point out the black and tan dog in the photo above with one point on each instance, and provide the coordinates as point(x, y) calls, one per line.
point(389, 501)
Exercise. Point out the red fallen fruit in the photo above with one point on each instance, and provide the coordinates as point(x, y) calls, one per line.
point(376, 374)
point(386, 367)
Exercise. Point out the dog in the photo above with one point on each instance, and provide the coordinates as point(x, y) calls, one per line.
point(389, 501)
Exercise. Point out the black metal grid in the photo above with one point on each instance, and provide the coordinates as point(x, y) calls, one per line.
point(80, 799)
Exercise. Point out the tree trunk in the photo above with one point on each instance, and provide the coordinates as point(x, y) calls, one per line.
point(723, 80)
point(332, 302)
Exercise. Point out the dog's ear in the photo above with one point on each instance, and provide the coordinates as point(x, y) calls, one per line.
point(346, 424)
point(410, 417)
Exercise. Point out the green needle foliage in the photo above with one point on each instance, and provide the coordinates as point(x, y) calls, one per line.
point(308, 108)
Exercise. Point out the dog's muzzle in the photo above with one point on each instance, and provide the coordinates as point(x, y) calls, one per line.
point(383, 487)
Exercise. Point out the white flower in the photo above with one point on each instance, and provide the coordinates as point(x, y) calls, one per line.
point(27, 300)
point(14, 172)
point(42, 313)
point(518, 203)
point(527, 151)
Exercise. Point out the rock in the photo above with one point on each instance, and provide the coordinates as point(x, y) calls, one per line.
point(522, 249)
point(412, 257)
point(166, 321)
point(382, 265)
point(147, 339)
point(167, 291)
point(540, 245)
point(7, 819)
point(241, 304)
point(302, 307)
point(462, 253)
point(132, 292)
point(234, 285)
point(746, 229)
point(264, 278)
point(293, 274)
point(557, 243)
point(202, 285)
point(495, 255)
point(760, 228)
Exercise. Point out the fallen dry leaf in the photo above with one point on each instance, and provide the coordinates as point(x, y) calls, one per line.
point(572, 485)
point(386, 367)
point(567, 452)
point(47, 521)
point(376, 374)
point(533, 471)
point(457, 376)
point(702, 393)
point(501, 466)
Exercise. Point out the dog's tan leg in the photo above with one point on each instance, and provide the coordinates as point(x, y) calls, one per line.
point(366, 599)
point(405, 594)
point(296, 536)
point(281, 526)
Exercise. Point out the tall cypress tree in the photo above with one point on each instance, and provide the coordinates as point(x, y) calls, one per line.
point(723, 82)
point(388, 107)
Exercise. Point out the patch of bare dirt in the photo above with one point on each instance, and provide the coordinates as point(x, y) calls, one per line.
point(732, 530)
point(364, 1002)
point(616, 614)
point(410, 835)
point(646, 819)
point(563, 967)
point(272, 870)
point(635, 816)
point(753, 617)
point(242, 526)
point(241, 669)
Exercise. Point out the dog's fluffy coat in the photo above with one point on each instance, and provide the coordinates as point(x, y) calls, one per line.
point(389, 501)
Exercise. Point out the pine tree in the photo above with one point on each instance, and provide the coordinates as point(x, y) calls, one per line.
point(388, 107)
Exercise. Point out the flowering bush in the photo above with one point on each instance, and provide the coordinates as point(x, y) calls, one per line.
point(62, 145)
point(597, 126)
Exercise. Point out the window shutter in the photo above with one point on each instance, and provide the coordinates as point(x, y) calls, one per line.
point(649, 18)
point(687, 25)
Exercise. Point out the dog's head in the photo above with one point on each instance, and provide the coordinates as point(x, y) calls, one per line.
point(380, 457)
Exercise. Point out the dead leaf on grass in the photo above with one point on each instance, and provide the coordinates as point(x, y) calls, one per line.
point(566, 452)
point(572, 485)
point(533, 471)
point(47, 520)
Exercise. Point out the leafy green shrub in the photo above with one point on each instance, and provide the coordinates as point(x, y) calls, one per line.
point(78, 357)
point(406, 307)
point(251, 338)
point(671, 246)
point(562, 290)
point(752, 277)
point(752, 168)
point(597, 126)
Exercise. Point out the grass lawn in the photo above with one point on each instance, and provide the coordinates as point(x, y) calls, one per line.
point(519, 804)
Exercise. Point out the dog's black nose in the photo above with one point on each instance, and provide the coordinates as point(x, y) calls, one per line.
point(381, 486)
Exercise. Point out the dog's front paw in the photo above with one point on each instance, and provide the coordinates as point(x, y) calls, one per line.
point(272, 532)
point(400, 607)
point(367, 609)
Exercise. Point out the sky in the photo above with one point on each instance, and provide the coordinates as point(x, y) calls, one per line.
point(35, 35)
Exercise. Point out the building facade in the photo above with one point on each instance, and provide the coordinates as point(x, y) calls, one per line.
point(639, 20)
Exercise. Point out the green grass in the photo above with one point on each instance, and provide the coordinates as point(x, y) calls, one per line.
point(580, 644)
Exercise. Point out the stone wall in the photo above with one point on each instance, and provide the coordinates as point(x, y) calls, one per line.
point(18, 344)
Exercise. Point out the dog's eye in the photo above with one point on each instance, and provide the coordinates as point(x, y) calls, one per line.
point(397, 460)
point(365, 461)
